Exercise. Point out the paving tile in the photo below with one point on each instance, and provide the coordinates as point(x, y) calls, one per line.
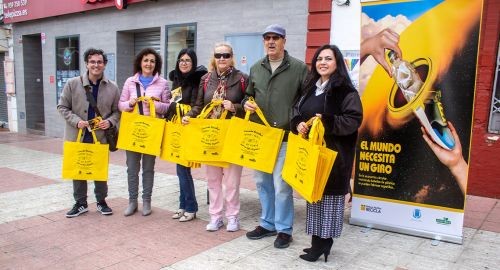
point(134, 263)
point(35, 234)
point(13, 180)
point(7, 228)
point(491, 226)
point(479, 204)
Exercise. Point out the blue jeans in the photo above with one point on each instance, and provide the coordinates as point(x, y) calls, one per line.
point(187, 196)
point(276, 197)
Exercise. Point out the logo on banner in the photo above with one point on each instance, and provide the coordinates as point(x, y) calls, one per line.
point(417, 213)
point(373, 209)
point(443, 221)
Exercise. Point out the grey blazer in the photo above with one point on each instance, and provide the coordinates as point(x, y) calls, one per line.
point(73, 105)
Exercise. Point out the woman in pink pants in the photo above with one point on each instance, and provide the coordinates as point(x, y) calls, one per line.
point(226, 83)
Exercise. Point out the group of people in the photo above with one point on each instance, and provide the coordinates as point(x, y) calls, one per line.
point(282, 87)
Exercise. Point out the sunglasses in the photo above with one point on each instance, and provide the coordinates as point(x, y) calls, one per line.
point(275, 38)
point(222, 55)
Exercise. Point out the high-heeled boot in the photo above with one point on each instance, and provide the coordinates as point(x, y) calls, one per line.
point(325, 245)
point(131, 208)
point(314, 242)
point(146, 207)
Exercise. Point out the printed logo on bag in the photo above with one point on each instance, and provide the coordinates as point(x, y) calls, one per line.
point(372, 209)
point(417, 213)
point(443, 221)
point(301, 164)
point(210, 139)
point(250, 144)
point(141, 133)
point(84, 162)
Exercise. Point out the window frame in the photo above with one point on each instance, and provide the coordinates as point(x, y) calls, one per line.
point(58, 93)
point(170, 26)
point(495, 102)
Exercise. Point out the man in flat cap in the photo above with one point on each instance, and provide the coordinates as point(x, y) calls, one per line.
point(275, 83)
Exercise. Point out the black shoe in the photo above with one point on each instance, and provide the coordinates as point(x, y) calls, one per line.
point(315, 241)
point(259, 233)
point(104, 208)
point(78, 209)
point(316, 251)
point(283, 240)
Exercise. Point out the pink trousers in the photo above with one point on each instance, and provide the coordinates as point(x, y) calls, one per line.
point(224, 188)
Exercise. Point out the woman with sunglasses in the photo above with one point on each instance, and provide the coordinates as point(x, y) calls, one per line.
point(146, 82)
point(186, 75)
point(329, 94)
point(223, 82)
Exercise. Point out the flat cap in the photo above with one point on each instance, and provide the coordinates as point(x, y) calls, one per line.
point(276, 29)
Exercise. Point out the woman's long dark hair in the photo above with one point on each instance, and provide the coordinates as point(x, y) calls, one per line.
point(340, 77)
point(180, 79)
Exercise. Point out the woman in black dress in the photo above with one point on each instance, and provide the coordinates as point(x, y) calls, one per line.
point(329, 93)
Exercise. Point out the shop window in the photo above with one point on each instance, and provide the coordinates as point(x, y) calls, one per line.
point(494, 125)
point(67, 61)
point(178, 36)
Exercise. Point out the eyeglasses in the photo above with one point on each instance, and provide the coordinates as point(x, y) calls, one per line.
point(184, 61)
point(326, 59)
point(275, 38)
point(93, 62)
point(222, 55)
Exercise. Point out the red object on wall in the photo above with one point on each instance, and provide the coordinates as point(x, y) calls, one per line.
point(484, 172)
point(318, 26)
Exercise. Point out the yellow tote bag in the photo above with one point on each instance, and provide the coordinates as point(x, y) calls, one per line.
point(308, 162)
point(174, 139)
point(205, 137)
point(85, 161)
point(141, 133)
point(252, 145)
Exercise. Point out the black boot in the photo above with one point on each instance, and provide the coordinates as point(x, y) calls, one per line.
point(315, 241)
point(325, 245)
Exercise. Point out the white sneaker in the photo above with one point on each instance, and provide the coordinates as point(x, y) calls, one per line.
point(215, 225)
point(233, 224)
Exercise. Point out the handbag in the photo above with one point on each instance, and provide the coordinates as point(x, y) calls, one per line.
point(110, 133)
point(251, 144)
point(85, 161)
point(205, 137)
point(141, 133)
point(173, 144)
point(308, 162)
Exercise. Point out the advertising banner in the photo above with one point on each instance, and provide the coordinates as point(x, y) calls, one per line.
point(417, 82)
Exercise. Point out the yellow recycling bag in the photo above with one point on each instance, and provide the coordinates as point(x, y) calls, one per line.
point(205, 137)
point(85, 161)
point(141, 133)
point(174, 139)
point(308, 163)
point(251, 144)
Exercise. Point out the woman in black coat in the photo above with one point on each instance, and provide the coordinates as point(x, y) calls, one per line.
point(329, 94)
point(186, 75)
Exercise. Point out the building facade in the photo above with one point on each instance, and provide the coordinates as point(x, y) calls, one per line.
point(49, 44)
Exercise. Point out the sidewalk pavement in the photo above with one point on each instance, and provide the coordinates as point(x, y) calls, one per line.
point(35, 234)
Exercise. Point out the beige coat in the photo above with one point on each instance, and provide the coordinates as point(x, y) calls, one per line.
point(73, 105)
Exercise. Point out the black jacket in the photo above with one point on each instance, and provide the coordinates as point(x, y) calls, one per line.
point(189, 88)
point(341, 118)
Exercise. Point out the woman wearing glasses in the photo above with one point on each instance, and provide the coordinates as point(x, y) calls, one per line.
point(223, 82)
point(186, 75)
point(329, 93)
point(146, 82)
